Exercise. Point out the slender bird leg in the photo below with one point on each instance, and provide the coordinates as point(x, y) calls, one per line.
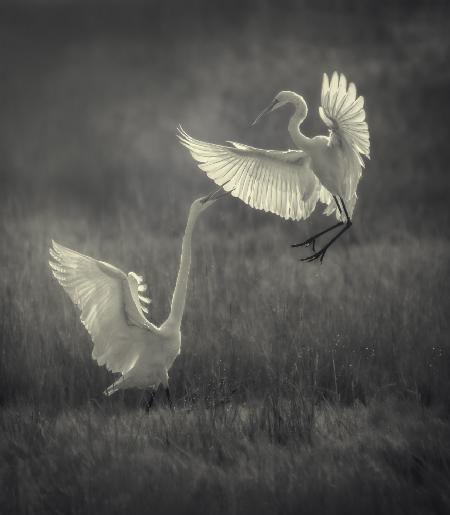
point(321, 253)
point(312, 239)
point(339, 207)
point(150, 400)
point(169, 398)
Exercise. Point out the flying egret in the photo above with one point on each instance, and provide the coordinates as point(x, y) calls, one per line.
point(113, 310)
point(290, 183)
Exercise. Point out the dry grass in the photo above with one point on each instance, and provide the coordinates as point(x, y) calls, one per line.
point(385, 458)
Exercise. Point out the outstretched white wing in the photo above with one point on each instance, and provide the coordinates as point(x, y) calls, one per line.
point(343, 113)
point(281, 182)
point(110, 305)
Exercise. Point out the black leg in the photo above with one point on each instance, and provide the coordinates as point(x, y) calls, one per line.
point(321, 253)
point(169, 398)
point(312, 239)
point(337, 203)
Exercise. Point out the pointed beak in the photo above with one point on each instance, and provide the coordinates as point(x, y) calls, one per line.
point(265, 111)
point(215, 195)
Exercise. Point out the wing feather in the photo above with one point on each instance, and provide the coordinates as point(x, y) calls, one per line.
point(253, 187)
point(234, 179)
point(243, 181)
point(343, 113)
point(259, 185)
point(109, 305)
point(234, 184)
point(266, 188)
point(280, 182)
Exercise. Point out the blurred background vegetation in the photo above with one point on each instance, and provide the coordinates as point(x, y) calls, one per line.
point(91, 95)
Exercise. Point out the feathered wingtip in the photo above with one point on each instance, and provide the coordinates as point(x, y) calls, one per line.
point(342, 111)
point(183, 137)
point(53, 251)
point(55, 263)
point(141, 287)
point(181, 132)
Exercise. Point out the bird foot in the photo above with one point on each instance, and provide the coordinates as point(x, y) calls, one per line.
point(319, 255)
point(307, 243)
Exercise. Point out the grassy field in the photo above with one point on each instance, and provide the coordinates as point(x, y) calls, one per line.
point(254, 458)
point(300, 388)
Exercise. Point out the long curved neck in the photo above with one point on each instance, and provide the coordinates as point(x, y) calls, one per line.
point(302, 142)
point(179, 293)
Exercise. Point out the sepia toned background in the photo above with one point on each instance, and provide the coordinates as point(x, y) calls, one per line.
point(91, 94)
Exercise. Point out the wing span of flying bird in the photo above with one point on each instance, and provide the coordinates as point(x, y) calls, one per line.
point(290, 183)
point(275, 181)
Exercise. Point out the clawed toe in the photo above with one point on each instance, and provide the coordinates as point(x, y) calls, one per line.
point(316, 256)
point(306, 243)
point(311, 241)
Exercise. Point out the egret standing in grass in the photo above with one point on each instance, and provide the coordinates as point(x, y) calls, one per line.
point(290, 183)
point(113, 311)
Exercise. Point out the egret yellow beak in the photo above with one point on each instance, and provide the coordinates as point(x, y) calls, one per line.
point(265, 111)
point(215, 195)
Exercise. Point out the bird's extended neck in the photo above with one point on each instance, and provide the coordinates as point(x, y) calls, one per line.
point(179, 293)
point(302, 142)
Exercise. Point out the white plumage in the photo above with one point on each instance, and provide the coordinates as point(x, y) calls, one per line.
point(290, 183)
point(281, 182)
point(113, 307)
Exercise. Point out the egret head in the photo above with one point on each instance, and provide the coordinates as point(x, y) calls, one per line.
point(284, 98)
point(203, 203)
